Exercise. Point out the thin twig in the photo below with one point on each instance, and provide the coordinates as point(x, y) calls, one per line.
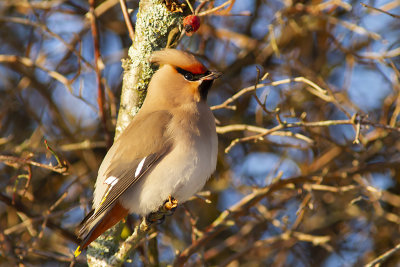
point(127, 19)
point(190, 6)
point(308, 124)
point(25, 210)
point(60, 164)
point(215, 9)
point(47, 214)
point(358, 128)
point(200, 6)
point(18, 227)
point(381, 10)
point(383, 257)
point(97, 63)
point(353, 27)
point(29, 63)
point(256, 129)
point(224, 219)
point(86, 144)
point(262, 106)
point(43, 27)
point(315, 89)
point(11, 160)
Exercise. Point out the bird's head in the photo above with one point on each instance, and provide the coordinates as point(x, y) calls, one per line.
point(181, 78)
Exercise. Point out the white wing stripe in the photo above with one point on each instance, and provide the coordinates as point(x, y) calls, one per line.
point(140, 166)
point(112, 180)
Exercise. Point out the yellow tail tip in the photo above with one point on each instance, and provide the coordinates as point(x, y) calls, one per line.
point(77, 251)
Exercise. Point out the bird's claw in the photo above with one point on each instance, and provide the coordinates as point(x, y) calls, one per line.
point(167, 209)
point(170, 205)
point(155, 218)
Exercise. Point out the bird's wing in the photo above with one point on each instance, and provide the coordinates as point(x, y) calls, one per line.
point(138, 153)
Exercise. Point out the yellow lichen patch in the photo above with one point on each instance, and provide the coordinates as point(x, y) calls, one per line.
point(174, 6)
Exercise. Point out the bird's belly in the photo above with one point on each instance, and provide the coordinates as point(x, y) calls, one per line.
point(180, 174)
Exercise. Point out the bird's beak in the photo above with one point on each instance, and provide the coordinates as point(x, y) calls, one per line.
point(212, 76)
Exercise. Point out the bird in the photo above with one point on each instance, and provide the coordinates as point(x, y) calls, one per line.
point(169, 149)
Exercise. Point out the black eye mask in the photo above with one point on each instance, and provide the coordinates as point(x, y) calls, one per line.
point(191, 76)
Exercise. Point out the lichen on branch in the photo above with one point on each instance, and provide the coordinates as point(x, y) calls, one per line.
point(153, 25)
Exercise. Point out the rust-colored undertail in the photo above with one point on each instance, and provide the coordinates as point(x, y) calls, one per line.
point(116, 214)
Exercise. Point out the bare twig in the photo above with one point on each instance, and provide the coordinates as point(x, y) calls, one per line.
point(380, 259)
point(287, 236)
point(315, 89)
point(11, 160)
point(47, 214)
point(21, 208)
point(18, 227)
point(27, 62)
point(308, 124)
point(86, 144)
point(98, 65)
point(381, 10)
point(127, 19)
point(255, 129)
point(224, 219)
point(358, 127)
point(218, 8)
point(45, 29)
point(353, 27)
point(60, 163)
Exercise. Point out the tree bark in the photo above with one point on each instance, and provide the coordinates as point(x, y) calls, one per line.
point(153, 26)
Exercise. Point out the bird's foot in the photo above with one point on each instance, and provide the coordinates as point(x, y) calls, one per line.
point(155, 218)
point(167, 209)
point(170, 205)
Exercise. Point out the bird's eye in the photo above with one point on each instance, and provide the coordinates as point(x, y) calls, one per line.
point(189, 76)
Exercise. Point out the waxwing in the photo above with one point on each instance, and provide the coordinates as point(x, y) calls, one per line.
point(169, 150)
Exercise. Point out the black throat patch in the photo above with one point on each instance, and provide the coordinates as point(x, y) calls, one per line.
point(204, 87)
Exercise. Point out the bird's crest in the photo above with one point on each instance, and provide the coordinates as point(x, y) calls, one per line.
point(178, 59)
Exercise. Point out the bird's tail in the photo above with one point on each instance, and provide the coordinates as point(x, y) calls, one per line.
point(92, 227)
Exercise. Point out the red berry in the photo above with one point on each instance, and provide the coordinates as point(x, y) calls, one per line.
point(191, 24)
